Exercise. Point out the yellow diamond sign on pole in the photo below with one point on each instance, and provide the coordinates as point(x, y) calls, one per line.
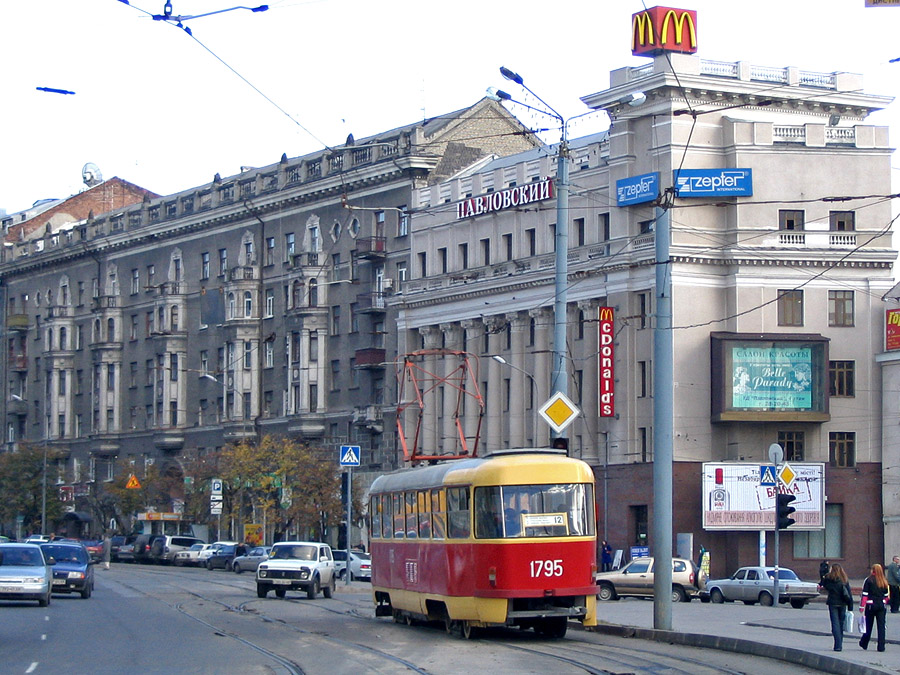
point(559, 412)
point(787, 474)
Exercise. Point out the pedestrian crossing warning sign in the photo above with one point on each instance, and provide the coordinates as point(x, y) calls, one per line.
point(349, 455)
point(133, 483)
point(767, 475)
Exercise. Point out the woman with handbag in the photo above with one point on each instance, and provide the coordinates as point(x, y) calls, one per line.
point(840, 601)
point(875, 595)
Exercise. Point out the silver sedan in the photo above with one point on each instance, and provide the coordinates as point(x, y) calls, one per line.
point(757, 584)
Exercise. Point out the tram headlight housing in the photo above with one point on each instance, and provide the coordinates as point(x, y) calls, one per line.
point(492, 576)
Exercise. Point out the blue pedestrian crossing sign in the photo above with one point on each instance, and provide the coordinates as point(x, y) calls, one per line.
point(767, 475)
point(349, 455)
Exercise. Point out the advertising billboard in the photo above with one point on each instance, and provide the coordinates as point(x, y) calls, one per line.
point(713, 183)
point(663, 29)
point(637, 189)
point(892, 330)
point(772, 377)
point(741, 496)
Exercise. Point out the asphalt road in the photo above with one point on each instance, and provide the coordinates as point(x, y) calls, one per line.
point(147, 619)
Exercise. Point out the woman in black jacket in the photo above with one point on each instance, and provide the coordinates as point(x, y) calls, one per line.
point(840, 599)
point(875, 595)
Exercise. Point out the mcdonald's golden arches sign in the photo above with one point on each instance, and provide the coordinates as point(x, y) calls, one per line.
point(663, 29)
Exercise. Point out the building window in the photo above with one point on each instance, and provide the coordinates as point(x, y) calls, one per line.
point(270, 250)
point(135, 281)
point(223, 261)
point(204, 265)
point(335, 374)
point(579, 327)
point(841, 378)
point(62, 383)
point(133, 328)
point(790, 307)
point(463, 256)
point(792, 444)
point(336, 320)
point(173, 367)
point(790, 220)
point(840, 308)
point(643, 309)
point(110, 376)
point(578, 226)
point(248, 354)
point(842, 449)
point(508, 246)
point(270, 302)
point(289, 243)
point(842, 221)
point(486, 251)
point(642, 384)
point(270, 354)
point(442, 259)
point(248, 304)
point(603, 226)
point(824, 544)
point(132, 374)
point(313, 347)
point(403, 222)
point(423, 264)
point(313, 397)
point(531, 241)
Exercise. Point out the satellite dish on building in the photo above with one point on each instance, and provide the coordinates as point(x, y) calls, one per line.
point(90, 174)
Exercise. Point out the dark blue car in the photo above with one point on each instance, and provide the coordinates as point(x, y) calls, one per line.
point(73, 569)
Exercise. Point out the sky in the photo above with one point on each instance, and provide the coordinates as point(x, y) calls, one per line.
point(161, 109)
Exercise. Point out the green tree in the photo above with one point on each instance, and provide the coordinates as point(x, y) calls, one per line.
point(21, 488)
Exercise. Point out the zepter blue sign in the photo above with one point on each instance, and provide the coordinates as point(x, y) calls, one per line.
point(637, 189)
point(714, 183)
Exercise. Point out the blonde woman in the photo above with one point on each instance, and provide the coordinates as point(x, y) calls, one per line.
point(875, 595)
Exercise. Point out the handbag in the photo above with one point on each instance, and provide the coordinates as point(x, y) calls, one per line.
point(848, 621)
point(861, 622)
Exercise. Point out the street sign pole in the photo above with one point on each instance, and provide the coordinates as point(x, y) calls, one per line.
point(349, 514)
point(776, 456)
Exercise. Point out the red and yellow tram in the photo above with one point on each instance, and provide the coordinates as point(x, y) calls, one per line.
point(504, 540)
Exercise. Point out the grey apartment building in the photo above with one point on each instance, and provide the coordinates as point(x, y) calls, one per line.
point(255, 304)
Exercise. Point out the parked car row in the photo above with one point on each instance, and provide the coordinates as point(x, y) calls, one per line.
point(749, 584)
point(34, 571)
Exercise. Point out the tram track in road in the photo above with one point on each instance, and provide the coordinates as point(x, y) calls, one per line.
point(247, 609)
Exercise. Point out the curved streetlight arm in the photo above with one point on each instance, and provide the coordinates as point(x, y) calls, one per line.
point(515, 77)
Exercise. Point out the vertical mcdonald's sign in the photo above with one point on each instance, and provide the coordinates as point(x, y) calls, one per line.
point(607, 370)
point(892, 330)
point(663, 29)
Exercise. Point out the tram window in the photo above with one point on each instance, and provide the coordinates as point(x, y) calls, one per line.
point(458, 512)
point(399, 518)
point(387, 520)
point(534, 511)
point(412, 524)
point(424, 499)
point(488, 510)
point(375, 514)
point(439, 514)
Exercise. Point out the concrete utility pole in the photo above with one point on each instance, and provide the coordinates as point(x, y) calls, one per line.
point(663, 412)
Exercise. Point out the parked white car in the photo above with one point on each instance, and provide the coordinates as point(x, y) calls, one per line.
point(360, 564)
point(192, 555)
point(757, 584)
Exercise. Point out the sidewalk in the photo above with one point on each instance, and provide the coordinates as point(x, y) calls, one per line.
point(800, 636)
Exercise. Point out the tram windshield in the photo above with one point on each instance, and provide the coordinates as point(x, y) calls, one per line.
point(534, 511)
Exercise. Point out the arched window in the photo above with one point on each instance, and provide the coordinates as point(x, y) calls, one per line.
point(63, 338)
point(248, 304)
point(313, 293)
point(110, 330)
point(232, 310)
point(297, 294)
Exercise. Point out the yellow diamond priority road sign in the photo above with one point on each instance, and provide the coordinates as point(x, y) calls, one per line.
point(559, 412)
point(786, 474)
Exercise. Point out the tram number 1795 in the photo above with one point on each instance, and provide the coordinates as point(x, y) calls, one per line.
point(546, 568)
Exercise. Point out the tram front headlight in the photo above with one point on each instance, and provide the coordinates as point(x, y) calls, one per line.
point(492, 576)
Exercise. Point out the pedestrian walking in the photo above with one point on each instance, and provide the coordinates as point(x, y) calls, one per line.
point(606, 556)
point(892, 573)
point(872, 602)
point(107, 551)
point(839, 602)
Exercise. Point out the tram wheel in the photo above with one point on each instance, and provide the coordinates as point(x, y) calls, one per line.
point(554, 627)
point(409, 620)
point(449, 624)
point(469, 632)
point(397, 616)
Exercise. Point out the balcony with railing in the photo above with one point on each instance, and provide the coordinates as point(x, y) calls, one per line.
point(371, 247)
point(245, 273)
point(58, 312)
point(369, 303)
point(306, 259)
point(370, 357)
point(105, 302)
point(17, 362)
point(18, 322)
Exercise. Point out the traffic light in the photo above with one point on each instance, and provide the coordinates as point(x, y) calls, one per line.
point(560, 444)
point(783, 510)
